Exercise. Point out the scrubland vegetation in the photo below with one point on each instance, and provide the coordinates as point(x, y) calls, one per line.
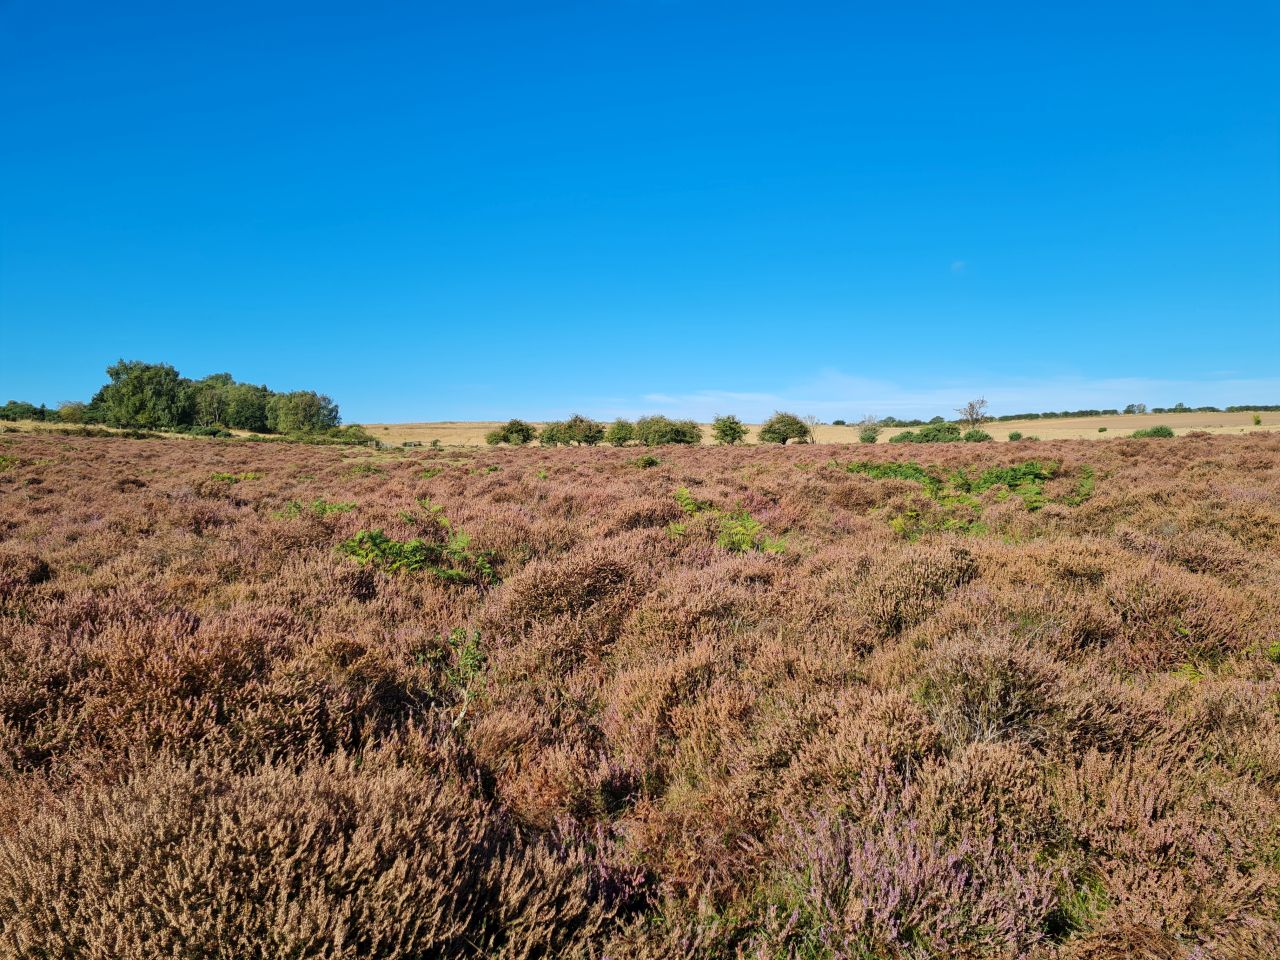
point(937, 700)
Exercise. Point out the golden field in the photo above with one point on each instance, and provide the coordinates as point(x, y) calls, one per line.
point(461, 433)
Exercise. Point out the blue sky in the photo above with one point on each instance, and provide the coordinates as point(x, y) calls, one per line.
point(478, 210)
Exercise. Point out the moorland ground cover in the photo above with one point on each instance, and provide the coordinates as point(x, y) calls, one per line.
point(824, 701)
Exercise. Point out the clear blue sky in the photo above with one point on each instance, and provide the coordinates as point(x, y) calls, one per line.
point(474, 210)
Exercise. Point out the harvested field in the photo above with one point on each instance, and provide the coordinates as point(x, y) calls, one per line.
point(459, 433)
point(818, 701)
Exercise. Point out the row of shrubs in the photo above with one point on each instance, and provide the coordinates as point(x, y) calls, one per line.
point(653, 431)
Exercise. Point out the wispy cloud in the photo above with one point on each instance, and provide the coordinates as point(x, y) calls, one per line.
point(834, 394)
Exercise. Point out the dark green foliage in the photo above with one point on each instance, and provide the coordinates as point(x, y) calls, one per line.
point(868, 434)
point(897, 470)
point(1017, 434)
point(975, 436)
point(839, 423)
point(656, 431)
point(21, 410)
point(516, 433)
point(932, 432)
point(783, 426)
point(728, 430)
point(302, 411)
point(583, 430)
point(452, 560)
point(554, 434)
point(646, 461)
point(148, 395)
point(1160, 431)
point(620, 433)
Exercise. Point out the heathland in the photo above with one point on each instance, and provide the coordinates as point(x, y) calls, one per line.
point(819, 701)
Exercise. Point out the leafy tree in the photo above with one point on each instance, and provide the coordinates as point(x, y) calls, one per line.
point(554, 434)
point(146, 395)
point(728, 430)
point(583, 430)
point(514, 432)
point(620, 433)
point(302, 411)
point(73, 411)
point(247, 407)
point(658, 430)
point(1136, 408)
point(782, 427)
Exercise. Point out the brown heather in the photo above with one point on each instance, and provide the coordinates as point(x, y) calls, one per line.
point(922, 725)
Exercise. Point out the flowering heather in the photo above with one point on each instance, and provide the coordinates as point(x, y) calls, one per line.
point(807, 702)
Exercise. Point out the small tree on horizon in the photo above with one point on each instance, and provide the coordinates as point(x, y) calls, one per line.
point(974, 413)
point(620, 433)
point(783, 426)
point(728, 430)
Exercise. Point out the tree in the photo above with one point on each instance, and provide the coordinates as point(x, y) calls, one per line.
point(247, 407)
point(21, 410)
point(554, 434)
point(583, 430)
point(302, 411)
point(73, 411)
point(783, 427)
point(974, 413)
point(514, 432)
point(620, 433)
point(869, 429)
point(657, 430)
point(1136, 408)
point(146, 395)
point(728, 430)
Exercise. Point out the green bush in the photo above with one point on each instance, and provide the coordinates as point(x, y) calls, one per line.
point(1015, 435)
point(728, 430)
point(620, 433)
point(645, 461)
point(554, 434)
point(976, 436)
point(932, 432)
point(658, 430)
point(1159, 431)
point(1257, 420)
point(1102, 429)
point(782, 427)
point(516, 433)
point(839, 423)
point(583, 430)
point(868, 434)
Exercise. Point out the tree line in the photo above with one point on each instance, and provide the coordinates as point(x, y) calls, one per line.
point(652, 431)
point(154, 396)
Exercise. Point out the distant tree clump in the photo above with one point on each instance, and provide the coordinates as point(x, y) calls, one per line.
point(577, 429)
point(940, 432)
point(783, 427)
point(728, 430)
point(1159, 431)
point(301, 411)
point(516, 433)
point(657, 431)
point(1136, 408)
point(620, 433)
point(21, 410)
point(145, 395)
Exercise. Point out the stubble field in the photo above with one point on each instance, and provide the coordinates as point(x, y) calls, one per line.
point(461, 433)
point(269, 700)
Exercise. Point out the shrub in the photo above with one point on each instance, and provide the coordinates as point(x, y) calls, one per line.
point(620, 433)
point(869, 430)
point(839, 423)
point(1257, 420)
point(1102, 429)
point(645, 461)
point(976, 436)
point(930, 433)
point(728, 430)
point(783, 427)
point(1015, 434)
point(452, 561)
point(1158, 431)
point(554, 434)
point(514, 432)
point(583, 430)
point(741, 533)
point(656, 431)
